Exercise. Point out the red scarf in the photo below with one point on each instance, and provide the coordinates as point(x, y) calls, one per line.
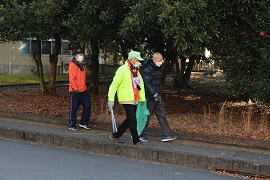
point(134, 73)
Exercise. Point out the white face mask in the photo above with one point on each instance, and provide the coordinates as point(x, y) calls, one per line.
point(158, 64)
point(80, 58)
point(137, 64)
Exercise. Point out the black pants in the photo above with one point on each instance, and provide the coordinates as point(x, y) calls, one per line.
point(130, 122)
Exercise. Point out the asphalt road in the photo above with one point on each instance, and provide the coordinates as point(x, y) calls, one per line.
point(26, 161)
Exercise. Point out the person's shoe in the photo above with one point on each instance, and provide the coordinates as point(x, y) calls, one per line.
point(117, 140)
point(73, 128)
point(144, 138)
point(85, 126)
point(139, 144)
point(168, 138)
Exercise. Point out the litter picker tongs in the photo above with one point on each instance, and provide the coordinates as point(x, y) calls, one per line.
point(114, 126)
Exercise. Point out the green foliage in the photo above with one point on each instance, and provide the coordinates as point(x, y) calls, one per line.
point(13, 19)
point(189, 23)
point(42, 19)
point(186, 25)
point(48, 15)
point(243, 46)
point(236, 31)
point(97, 20)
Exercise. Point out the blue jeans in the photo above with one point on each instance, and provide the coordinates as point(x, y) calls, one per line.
point(82, 98)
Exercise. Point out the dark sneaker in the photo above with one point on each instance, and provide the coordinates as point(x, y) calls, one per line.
point(73, 128)
point(139, 144)
point(168, 138)
point(144, 138)
point(85, 126)
point(117, 140)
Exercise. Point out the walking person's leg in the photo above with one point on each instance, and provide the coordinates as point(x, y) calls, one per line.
point(74, 105)
point(121, 129)
point(162, 119)
point(86, 112)
point(132, 121)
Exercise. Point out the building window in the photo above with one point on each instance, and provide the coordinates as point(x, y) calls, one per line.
point(65, 48)
point(34, 46)
point(46, 47)
point(25, 47)
point(30, 46)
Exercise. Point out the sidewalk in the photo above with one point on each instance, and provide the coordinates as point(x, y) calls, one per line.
point(184, 151)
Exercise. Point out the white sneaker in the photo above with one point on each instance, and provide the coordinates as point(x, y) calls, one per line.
point(85, 126)
point(168, 138)
point(73, 128)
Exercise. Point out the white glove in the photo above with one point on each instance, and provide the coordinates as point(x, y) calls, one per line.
point(157, 98)
point(110, 104)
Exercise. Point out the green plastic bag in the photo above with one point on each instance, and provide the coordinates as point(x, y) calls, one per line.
point(141, 115)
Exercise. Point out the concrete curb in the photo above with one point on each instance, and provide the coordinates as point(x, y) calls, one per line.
point(183, 157)
point(184, 135)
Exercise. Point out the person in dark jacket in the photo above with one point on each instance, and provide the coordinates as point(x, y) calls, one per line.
point(153, 94)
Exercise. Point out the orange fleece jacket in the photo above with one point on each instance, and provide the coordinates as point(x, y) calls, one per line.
point(77, 78)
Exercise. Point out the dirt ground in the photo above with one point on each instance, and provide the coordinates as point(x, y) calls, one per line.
point(208, 108)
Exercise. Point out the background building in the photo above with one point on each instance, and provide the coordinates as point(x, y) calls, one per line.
point(16, 57)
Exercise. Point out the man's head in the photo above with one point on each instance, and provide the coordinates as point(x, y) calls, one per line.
point(134, 58)
point(157, 59)
point(78, 55)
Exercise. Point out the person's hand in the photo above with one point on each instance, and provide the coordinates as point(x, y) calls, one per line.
point(76, 93)
point(157, 98)
point(110, 104)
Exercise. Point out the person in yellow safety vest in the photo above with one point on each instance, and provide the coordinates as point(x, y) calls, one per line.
point(128, 84)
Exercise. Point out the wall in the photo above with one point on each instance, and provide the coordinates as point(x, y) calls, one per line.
point(4, 56)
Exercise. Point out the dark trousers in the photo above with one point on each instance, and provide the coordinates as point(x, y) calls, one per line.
point(130, 122)
point(159, 110)
point(82, 98)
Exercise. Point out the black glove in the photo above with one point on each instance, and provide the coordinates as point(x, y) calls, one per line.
point(157, 98)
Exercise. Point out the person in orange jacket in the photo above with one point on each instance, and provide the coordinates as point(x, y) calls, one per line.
point(78, 91)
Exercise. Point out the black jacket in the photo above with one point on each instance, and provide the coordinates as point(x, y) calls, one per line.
point(151, 77)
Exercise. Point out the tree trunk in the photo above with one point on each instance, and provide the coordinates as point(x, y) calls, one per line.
point(124, 50)
point(53, 58)
point(37, 59)
point(170, 58)
point(165, 70)
point(182, 66)
point(95, 66)
point(183, 83)
point(180, 72)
